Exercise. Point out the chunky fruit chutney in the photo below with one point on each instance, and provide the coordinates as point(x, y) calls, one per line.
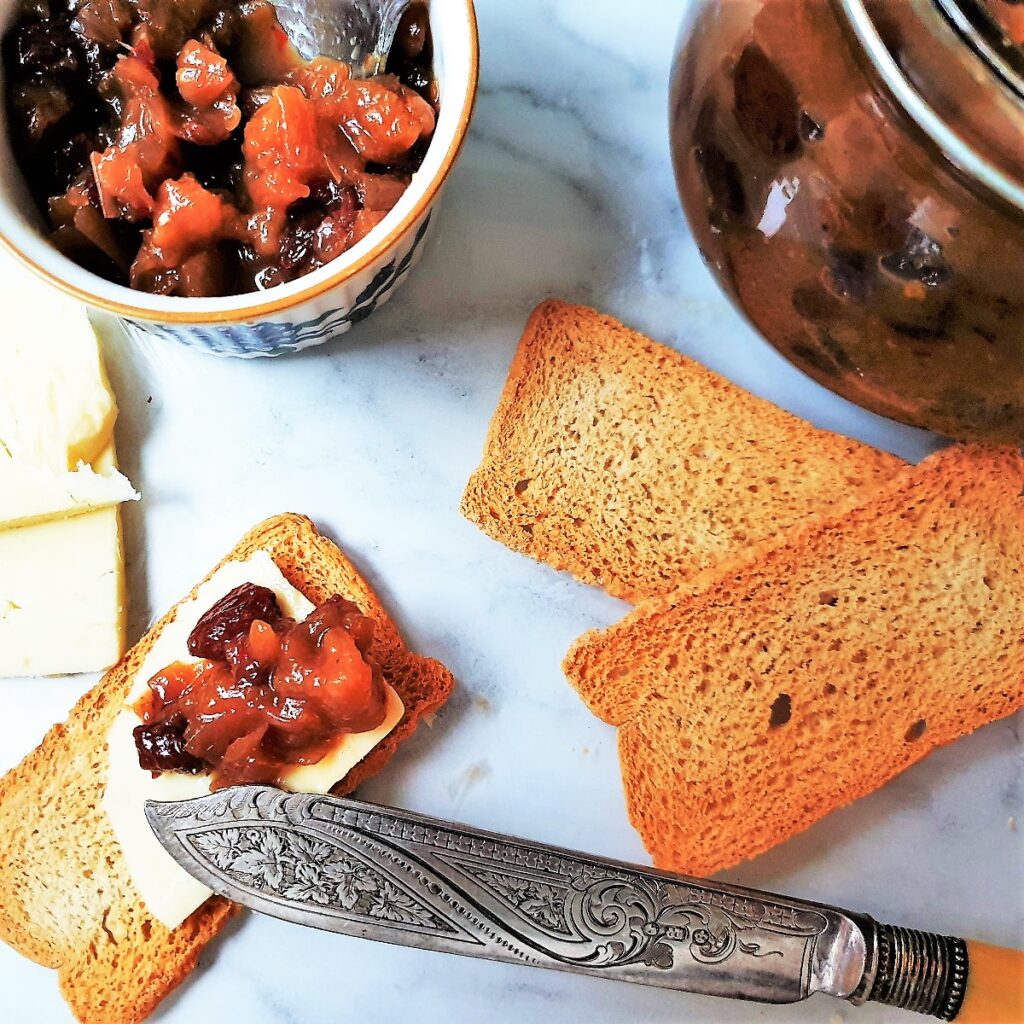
point(267, 694)
point(1010, 15)
point(183, 147)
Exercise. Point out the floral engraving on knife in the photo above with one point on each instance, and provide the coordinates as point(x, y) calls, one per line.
point(542, 903)
point(301, 869)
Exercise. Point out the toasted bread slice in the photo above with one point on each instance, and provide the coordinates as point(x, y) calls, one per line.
point(636, 469)
point(821, 669)
point(66, 899)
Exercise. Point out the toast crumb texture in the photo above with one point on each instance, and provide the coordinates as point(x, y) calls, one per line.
point(820, 670)
point(636, 469)
point(66, 900)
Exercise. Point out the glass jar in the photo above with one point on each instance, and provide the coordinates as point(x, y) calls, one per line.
point(853, 171)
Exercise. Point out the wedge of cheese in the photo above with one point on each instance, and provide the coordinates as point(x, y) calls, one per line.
point(30, 494)
point(62, 592)
point(62, 596)
point(56, 406)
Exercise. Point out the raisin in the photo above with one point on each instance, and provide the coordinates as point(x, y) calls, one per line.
point(250, 100)
point(920, 259)
point(67, 158)
point(230, 619)
point(767, 108)
point(835, 350)
point(723, 179)
point(410, 56)
point(103, 22)
point(217, 166)
point(811, 130)
point(327, 192)
point(297, 247)
point(722, 176)
point(161, 748)
point(851, 274)
point(412, 31)
point(815, 303)
point(47, 48)
point(417, 78)
point(818, 364)
point(923, 322)
point(40, 106)
point(326, 213)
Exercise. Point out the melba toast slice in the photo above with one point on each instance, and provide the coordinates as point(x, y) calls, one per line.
point(820, 670)
point(66, 897)
point(636, 469)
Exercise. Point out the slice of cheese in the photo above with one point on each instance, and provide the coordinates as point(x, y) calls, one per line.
point(61, 596)
point(56, 406)
point(31, 494)
point(68, 572)
point(170, 893)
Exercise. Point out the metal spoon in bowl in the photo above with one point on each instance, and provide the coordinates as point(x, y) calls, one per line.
point(359, 32)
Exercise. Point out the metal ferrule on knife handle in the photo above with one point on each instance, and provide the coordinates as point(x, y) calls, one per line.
point(398, 877)
point(912, 970)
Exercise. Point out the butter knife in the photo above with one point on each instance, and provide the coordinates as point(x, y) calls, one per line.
point(394, 876)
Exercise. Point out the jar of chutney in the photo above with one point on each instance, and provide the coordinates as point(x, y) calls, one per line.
point(853, 171)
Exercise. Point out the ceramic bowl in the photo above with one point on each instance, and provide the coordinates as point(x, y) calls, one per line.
point(305, 312)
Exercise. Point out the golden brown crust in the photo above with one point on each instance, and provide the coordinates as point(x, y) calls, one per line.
point(882, 634)
point(637, 469)
point(66, 900)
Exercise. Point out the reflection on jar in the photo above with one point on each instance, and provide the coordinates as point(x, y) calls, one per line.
point(848, 238)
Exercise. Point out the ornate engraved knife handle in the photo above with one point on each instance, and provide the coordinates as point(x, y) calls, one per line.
point(913, 970)
point(399, 877)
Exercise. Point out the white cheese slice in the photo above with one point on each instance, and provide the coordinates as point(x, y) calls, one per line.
point(56, 406)
point(170, 893)
point(31, 494)
point(69, 572)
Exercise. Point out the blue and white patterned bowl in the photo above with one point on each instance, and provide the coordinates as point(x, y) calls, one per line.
point(303, 313)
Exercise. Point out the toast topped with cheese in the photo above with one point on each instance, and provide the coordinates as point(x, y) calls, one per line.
point(68, 898)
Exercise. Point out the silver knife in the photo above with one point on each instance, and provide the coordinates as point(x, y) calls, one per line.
point(394, 876)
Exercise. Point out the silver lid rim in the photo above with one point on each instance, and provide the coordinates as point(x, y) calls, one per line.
point(968, 159)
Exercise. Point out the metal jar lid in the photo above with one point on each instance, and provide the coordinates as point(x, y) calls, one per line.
point(950, 67)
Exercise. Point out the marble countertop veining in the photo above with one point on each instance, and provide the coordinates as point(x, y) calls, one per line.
point(565, 188)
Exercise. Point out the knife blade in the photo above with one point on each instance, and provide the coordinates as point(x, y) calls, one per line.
point(395, 876)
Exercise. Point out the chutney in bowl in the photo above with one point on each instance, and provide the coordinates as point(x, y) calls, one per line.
point(188, 149)
point(312, 303)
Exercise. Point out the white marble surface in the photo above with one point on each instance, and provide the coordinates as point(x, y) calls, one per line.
point(565, 188)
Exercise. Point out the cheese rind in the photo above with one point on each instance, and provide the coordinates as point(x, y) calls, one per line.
point(170, 893)
point(31, 494)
